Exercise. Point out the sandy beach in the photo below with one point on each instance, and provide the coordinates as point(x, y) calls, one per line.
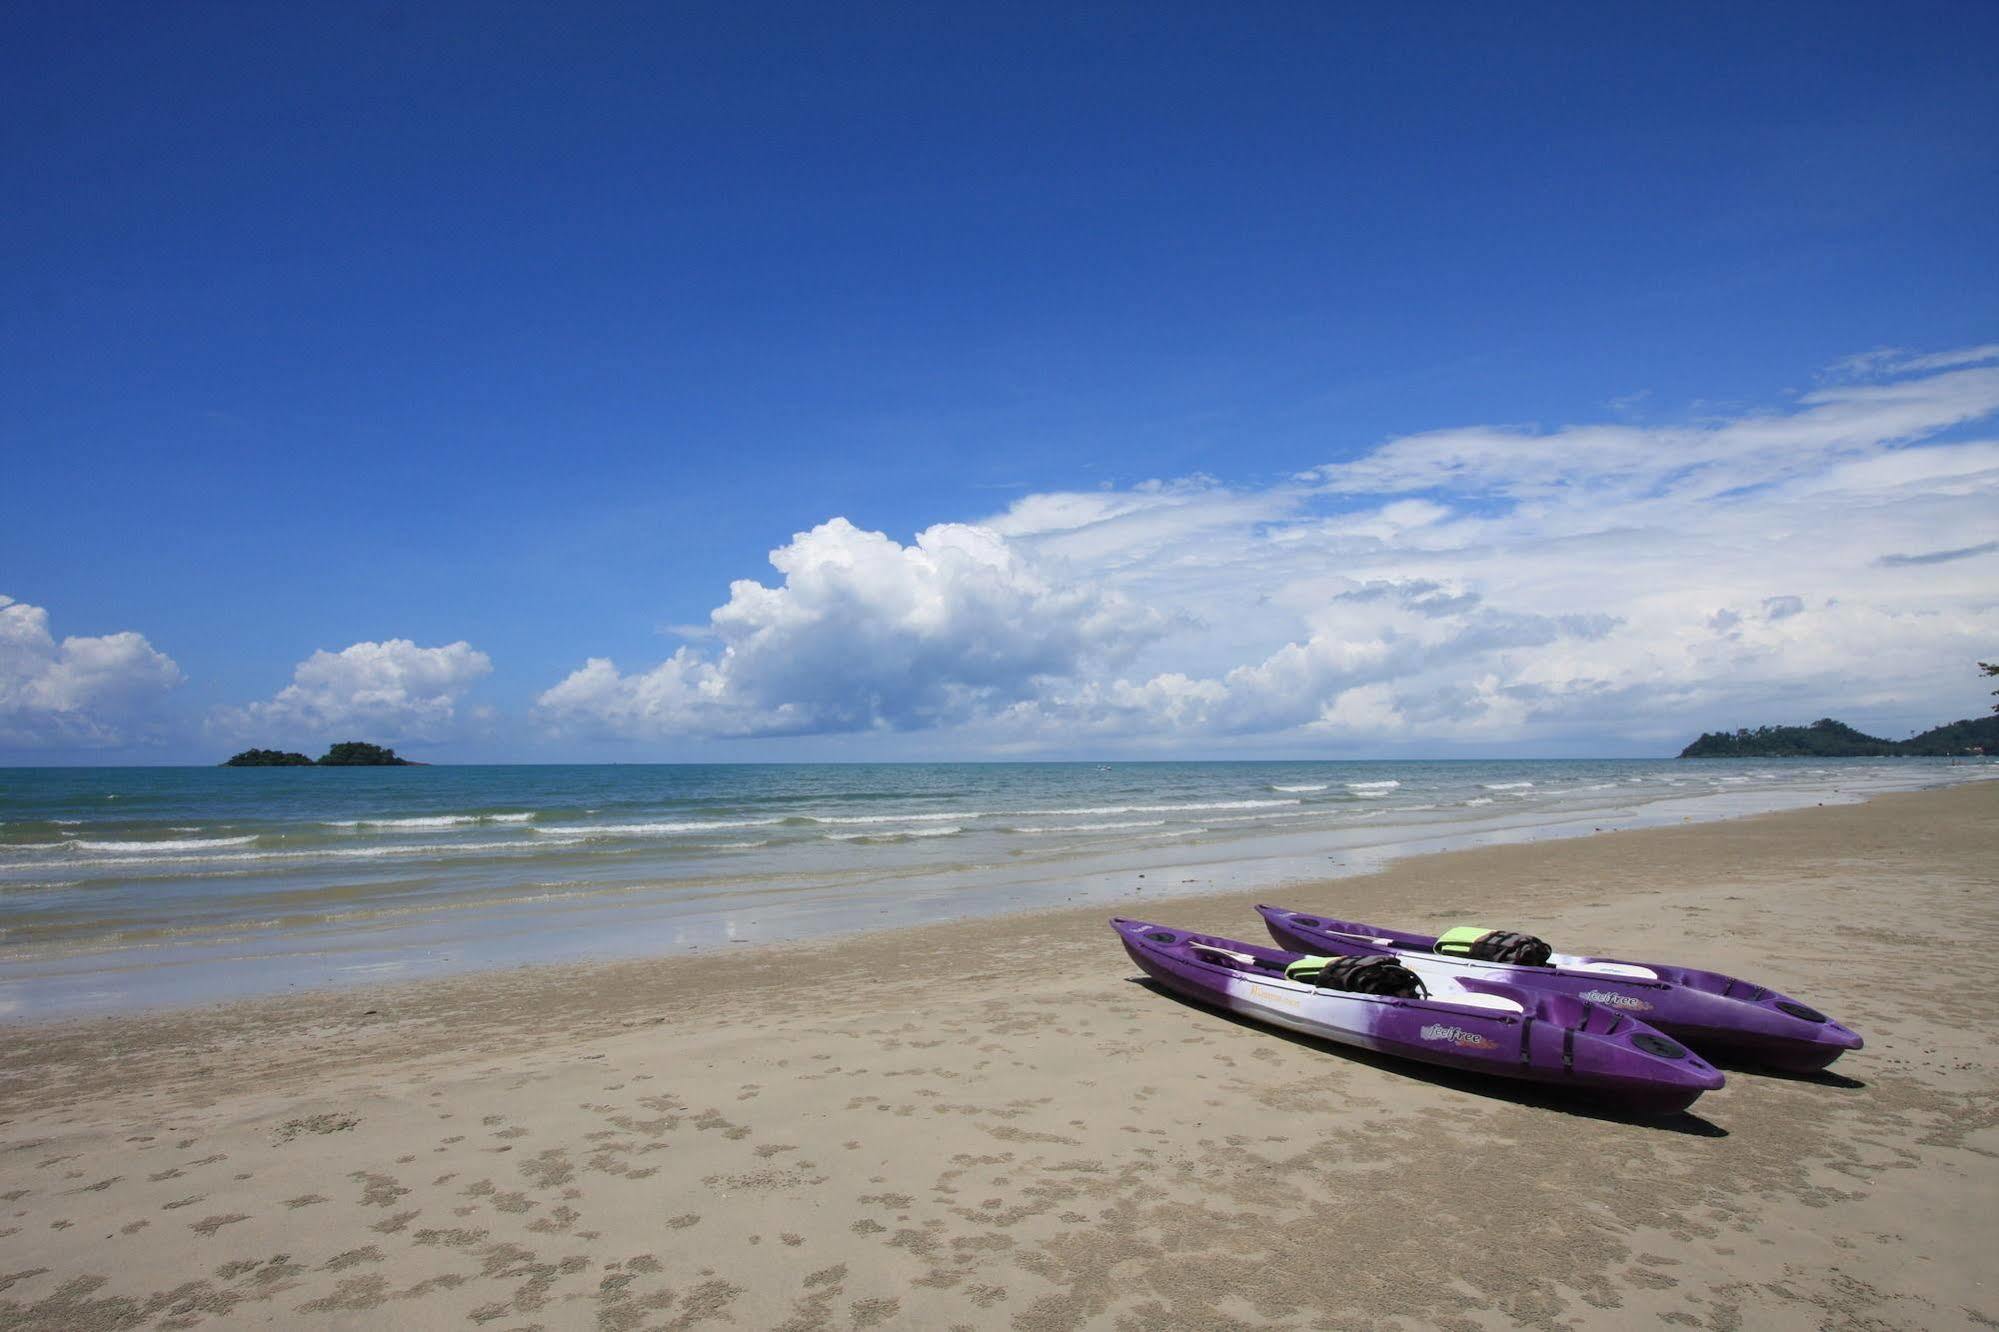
point(994, 1125)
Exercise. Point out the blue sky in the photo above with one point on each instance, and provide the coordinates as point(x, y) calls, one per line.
point(531, 330)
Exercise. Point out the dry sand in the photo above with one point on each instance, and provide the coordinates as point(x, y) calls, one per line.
point(992, 1125)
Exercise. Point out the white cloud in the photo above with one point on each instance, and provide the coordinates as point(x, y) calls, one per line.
point(388, 691)
point(862, 634)
point(1886, 361)
point(1586, 584)
point(88, 691)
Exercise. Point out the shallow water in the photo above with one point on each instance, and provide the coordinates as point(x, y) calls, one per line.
point(126, 887)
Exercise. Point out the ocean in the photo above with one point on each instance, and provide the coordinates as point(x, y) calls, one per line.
point(123, 888)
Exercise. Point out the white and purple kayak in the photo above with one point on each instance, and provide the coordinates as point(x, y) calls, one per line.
point(1464, 1022)
point(1718, 1015)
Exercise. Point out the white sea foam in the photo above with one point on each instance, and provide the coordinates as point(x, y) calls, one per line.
point(1263, 818)
point(890, 834)
point(1373, 786)
point(159, 856)
point(429, 821)
point(1481, 800)
point(1094, 827)
point(574, 830)
point(178, 844)
point(892, 818)
point(1320, 787)
point(1156, 809)
point(1506, 786)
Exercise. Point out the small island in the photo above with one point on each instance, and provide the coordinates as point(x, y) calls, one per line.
point(346, 754)
point(268, 758)
point(1826, 738)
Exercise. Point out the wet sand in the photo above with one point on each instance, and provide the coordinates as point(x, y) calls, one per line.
point(995, 1126)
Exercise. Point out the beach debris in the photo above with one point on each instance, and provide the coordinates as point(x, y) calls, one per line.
point(322, 1123)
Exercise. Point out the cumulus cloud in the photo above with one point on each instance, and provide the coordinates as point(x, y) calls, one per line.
point(1501, 583)
point(864, 633)
point(392, 690)
point(91, 691)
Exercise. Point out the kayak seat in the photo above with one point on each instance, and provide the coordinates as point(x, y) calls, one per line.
point(1475, 941)
point(1357, 975)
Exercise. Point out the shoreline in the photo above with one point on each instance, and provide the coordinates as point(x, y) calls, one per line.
point(987, 1125)
point(560, 925)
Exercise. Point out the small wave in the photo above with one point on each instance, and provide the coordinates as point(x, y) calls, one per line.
point(1094, 827)
point(1373, 786)
point(1156, 809)
point(428, 821)
point(574, 830)
point(1319, 787)
point(160, 856)
point(1265, 818)
point(891, 835)
point(1481, 800)
point(892, 818)
point(734, 846)
point(178, 844)
point(1506, 786)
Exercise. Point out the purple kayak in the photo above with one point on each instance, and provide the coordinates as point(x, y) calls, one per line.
point(1464, 1022)
point(1718, 1015)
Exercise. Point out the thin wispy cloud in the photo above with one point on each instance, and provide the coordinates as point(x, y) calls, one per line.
point(1940, 556)
point(1889, 361)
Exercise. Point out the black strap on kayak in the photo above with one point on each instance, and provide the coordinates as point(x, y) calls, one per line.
point(1568, 1049)
point(1526, 1030)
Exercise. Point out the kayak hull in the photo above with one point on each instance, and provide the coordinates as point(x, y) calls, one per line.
point(1492, 1029)
point(1720, 1016)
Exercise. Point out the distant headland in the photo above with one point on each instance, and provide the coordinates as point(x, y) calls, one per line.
point(1826, 738)
point(347, 754)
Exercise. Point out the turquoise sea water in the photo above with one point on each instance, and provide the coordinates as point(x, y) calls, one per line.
point(123, 887)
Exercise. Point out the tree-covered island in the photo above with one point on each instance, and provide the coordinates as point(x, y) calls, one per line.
point(346, 754)
point(1826, 738)
point(268, 758)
